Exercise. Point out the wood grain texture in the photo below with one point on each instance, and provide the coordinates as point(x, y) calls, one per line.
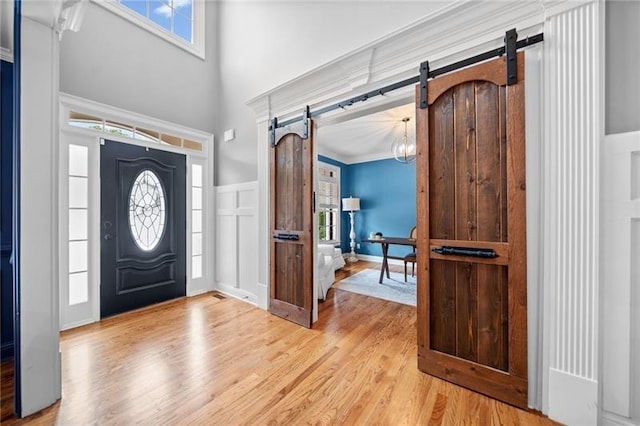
point(291, 261)
point(203, 360)
point(471, 193)
point(6, 389)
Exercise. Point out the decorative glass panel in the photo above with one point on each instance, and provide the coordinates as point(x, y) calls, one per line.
point(147, 210)
point(196, 244)
point(196, 175)
point(78, 261)
point(196, 198)
point(78, 288)
point(78, 224)
point(78, 160)
point(196, 266)
point(78, 192)
point(196, 221)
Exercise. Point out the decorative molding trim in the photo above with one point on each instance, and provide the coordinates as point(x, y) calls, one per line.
point(449, 34)
point(89, 107)
point(609, 419)
point(234, 204)
point(571, 178)
point(6, 54)
point(620, 297)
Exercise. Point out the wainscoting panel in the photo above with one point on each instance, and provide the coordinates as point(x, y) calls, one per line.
point(621, 277)
point(236, 255)
point(570, 213)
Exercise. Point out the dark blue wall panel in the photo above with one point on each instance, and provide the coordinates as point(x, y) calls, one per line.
point(6, 135)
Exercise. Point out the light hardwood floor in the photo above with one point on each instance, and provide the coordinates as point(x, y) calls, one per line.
point(206, 360)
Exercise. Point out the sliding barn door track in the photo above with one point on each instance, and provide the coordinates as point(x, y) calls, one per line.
point(511, 46)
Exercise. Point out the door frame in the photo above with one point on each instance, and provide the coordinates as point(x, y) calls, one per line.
point(284, 102)
point(91, 139)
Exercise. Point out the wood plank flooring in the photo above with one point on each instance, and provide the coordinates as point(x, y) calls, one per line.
point(6, 389)
point(206, 360)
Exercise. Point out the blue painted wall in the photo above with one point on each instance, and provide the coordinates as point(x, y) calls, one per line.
point(6, 134)
point(387, 192)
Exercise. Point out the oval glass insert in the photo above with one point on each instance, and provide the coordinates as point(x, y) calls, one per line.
point(147, 210)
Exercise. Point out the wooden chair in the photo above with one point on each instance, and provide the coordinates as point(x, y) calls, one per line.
point(411, 257)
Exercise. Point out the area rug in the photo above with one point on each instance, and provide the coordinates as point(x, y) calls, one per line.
point(394, 289)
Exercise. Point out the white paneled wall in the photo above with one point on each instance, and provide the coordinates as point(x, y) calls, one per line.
point(236, 253)
point(621, 278)
point(570, 213)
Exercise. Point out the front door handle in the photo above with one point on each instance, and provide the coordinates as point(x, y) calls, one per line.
point(466, 251)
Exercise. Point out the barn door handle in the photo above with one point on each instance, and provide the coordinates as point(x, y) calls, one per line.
point(465, 251)
point(289, 237)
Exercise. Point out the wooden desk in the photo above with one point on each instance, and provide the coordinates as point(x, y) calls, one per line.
point(385, 242)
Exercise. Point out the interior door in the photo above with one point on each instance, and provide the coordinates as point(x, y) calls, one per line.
point(143, 227)
point(472, 299)
point(291, 262)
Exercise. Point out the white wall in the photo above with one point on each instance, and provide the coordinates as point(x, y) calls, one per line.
point(620, 313)
point(266, 43)
point(623, 63)
point(236, 251)
point(115, 62)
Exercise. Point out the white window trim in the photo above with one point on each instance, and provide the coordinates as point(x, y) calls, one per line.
point(195, 48)
point(336, 170)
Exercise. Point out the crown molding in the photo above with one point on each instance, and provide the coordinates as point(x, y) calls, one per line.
point(463, 28)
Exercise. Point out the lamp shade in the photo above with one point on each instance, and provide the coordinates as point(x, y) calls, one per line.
point(350, 204)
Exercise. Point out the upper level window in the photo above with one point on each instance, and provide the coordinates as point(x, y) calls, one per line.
point(179, 21)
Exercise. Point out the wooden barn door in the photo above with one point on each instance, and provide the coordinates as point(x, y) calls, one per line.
point(472, 292)
point(291, 288)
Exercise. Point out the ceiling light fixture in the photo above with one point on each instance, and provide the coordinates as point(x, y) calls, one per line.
point(404, 147)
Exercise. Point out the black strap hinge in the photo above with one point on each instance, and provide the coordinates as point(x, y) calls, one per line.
point(424, 76)
point(510, 42)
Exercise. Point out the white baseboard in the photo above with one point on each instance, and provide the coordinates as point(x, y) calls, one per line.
point(378, 259)
point(237, 293)
point(263, 296)
point(573, 400)
point(198, 292)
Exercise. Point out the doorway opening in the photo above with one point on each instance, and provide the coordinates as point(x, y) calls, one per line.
point(357, 176)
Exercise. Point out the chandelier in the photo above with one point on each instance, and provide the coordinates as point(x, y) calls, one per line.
point(404, 147)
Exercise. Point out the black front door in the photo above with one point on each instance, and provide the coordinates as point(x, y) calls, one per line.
point(143, 227)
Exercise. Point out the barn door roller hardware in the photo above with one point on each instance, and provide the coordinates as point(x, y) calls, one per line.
point(300, 127)
point(511, 46)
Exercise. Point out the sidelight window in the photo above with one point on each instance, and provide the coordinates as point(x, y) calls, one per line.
point(196, 220)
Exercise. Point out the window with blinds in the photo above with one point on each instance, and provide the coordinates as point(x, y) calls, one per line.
point(328, 203)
